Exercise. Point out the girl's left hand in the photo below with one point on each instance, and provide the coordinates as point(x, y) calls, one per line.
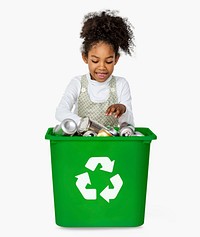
point(116, 109)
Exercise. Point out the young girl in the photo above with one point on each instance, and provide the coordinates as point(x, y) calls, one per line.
point(99, 94)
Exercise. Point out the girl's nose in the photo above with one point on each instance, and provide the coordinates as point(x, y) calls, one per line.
point(102, 64)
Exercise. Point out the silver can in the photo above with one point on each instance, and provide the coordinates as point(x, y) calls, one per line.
point(66, 127)
point(90, 133)
point(87, 124)
point(126, 130)
point(83, 125)
point(113, 131)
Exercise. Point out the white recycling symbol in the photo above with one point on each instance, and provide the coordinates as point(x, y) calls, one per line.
point(83, 180)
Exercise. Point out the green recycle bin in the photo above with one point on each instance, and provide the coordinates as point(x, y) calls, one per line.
point(100, 181)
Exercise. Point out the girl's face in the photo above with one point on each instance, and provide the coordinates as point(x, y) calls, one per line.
point(101, 61)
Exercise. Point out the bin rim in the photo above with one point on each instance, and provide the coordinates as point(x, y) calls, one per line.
point(148, 136)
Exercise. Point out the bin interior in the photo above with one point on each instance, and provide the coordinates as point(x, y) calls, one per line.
point(148, 136)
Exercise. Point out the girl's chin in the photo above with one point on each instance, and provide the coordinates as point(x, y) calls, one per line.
point(100, 80)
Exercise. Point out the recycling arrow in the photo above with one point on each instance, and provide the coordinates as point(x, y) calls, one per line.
point(107, 193)
point(81, 183)
point(107, 164)
point(84, 179)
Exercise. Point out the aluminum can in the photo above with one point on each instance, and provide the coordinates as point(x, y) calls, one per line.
point(104, 133)
point(95, 126)
point(66, 127)
point(112, 131)
point(83, 125)
point(126, 130)
point(87, 124)
point(90, 133)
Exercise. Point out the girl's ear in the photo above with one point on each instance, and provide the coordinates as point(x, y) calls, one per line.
point(84, 57)
point(117, 58)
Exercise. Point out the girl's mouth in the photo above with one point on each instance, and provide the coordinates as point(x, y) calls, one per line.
point(102, 75)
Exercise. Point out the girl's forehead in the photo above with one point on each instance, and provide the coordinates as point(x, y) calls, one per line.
point(102, 46)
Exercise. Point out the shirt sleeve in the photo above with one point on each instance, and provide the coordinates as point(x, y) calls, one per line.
point(67, 103)
point(125, 98)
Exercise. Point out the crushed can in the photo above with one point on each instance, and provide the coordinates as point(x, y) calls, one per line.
point(104, 133)
point(87, 124)
point(126, 129)
point(90, 133)
point(66, 127)
point(113, 131)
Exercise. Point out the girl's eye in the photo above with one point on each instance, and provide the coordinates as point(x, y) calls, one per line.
point(109, 62)
point(98, 61)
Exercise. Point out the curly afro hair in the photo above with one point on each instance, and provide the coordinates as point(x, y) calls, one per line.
point(106, 26)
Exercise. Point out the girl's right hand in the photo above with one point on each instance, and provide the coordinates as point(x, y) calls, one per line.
point(116, 109)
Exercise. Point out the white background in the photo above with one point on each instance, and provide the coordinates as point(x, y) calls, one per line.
point(40, 53)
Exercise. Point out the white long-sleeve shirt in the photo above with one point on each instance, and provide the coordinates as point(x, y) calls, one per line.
point(98, 92)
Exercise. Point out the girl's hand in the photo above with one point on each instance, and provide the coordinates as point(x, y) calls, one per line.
point(116, 109)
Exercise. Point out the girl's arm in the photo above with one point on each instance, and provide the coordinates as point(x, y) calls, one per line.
point(125, 99)
point(65, 108)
